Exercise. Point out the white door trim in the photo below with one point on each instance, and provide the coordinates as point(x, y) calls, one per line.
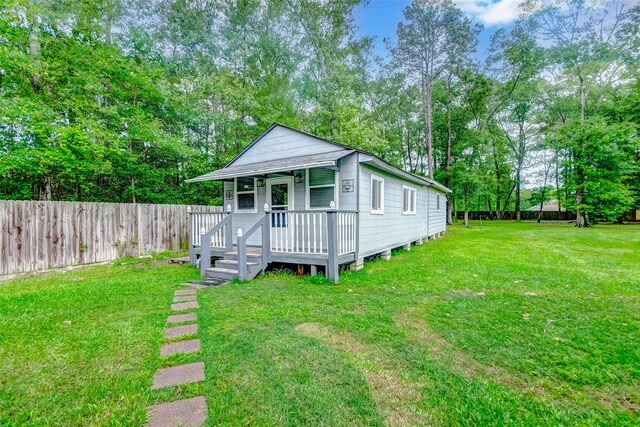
point(281, 180)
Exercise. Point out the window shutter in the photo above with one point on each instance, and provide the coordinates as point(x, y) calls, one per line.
point(321, 176)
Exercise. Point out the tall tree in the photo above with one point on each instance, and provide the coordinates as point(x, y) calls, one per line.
point(517, 61)
point(435, 34)
point(581, 36)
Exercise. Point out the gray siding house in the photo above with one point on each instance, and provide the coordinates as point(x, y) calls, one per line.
point(294, 198)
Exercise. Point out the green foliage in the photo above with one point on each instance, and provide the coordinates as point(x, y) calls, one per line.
point(122, 101)
point(609, 161)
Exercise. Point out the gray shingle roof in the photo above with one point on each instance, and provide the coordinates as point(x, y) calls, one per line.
point(272, 166)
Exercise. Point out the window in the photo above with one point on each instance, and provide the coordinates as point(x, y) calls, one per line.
point(409, 196)
point(245, 194)
point(437, 202)
point(377, 195)
point(321, 188)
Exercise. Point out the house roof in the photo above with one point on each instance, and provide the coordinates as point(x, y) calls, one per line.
point(386, 167)
point(301, 162)
point(272, 166)
point(551, 205)
point(276, 124)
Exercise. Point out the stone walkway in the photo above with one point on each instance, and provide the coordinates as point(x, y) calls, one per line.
point(183, 412)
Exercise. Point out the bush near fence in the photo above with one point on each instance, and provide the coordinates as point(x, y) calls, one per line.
point(630, 216)
point(524, 215)
point(38, 235)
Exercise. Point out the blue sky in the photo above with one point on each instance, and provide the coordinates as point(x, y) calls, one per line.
point(380, 18)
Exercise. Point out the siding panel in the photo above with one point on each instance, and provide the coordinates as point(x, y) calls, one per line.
point(380, 232)
point(437, 217)
point(283, 143)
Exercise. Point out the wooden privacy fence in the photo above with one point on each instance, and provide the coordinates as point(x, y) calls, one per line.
point(41, 235)
point(524, 215)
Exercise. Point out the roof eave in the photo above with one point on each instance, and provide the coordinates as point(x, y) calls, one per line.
point(211, 176)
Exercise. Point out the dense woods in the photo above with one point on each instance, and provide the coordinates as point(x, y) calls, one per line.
point(121, 100)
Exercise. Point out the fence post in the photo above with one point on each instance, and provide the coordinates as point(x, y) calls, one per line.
point(228, 232)
point(242, 256)
point(333, 267)
point(266, 238)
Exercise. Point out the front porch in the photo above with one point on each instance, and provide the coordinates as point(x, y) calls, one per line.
point(288, 210)
point(322, 239)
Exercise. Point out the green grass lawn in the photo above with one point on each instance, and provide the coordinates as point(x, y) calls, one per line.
point(494, 324)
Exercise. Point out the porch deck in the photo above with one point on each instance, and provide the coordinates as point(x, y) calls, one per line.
point(324, 239)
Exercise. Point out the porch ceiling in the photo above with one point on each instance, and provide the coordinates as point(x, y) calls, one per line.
point(272, 166)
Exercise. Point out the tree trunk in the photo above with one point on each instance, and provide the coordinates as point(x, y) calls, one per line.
point(517, 207)
point(108, 30)
point(547, 169)
point(133, 180)
point(507, 200)
point(581, 218)
point(133, 189)
point(522, 152)
point(426, 100)
point(45, 190)
point(496, 166)
point(557, 177)
point(448, 159)
point(541, 204)
point(409, 150)
point(467, 189)
point(34, 51)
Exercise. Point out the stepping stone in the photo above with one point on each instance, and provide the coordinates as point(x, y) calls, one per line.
point(185, 412)
point(185, 292)
point(185, 298)
point(188, 346)
point(176, 375)
point(184, 305)
point(176, 331)
point(195, 285)
point(177, 318)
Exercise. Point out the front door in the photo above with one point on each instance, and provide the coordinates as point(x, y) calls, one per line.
point(280, 198)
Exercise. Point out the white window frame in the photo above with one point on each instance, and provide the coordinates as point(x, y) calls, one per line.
point(381, 210)
point(235, 197)
point(414, 200)
point(308, 187)
point(438, 202)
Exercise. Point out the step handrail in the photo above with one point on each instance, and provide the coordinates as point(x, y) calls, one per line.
point(242, 238)
point(205, 241)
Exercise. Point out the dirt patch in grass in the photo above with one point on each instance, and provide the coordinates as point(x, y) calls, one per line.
point(421, 331)
point(467, 293)
point(395, 396)
point(624, 397)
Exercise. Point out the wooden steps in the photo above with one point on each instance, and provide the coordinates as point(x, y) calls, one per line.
point(226, 269)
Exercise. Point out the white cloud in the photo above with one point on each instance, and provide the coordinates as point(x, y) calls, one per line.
point(491, 12)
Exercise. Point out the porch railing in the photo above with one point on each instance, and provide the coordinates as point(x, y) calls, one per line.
point(209, 230)
point(331, 233)
point(200, 223)
point(262, 224)
point(299, 232)
point(307, 232)
point(347, 232)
